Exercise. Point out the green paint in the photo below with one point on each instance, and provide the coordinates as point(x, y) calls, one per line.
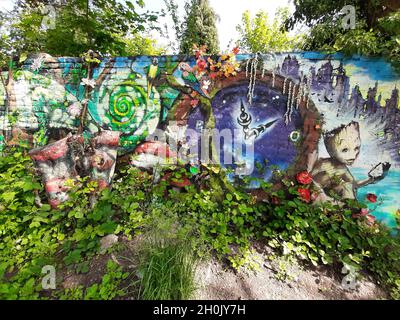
point(2, 143)
point(124, 107)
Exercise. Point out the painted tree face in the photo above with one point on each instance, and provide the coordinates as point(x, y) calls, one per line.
point(343, 144)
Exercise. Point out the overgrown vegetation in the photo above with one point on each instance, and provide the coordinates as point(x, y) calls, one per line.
point(109, 288)
point(376, 32)
point(68, 28)
point(167, 263)
point(201, 219)
point(258, 34)
point(197, 26)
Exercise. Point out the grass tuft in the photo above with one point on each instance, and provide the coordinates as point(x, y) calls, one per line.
point(168, 265)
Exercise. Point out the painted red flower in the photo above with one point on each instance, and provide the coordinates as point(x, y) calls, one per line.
point(236, 50)
point(305, 194)
point(372, 197)
point(213, 75)
point(304, 178)
point(201, 64)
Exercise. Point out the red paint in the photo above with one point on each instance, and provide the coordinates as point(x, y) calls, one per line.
point(372, 197)
point(56, 185)
point(54, 203)
point(194, 102)
point(108, 138)
point(51, 152)
point(180, 183)
point(236, 50)
point(156, 148)
point(304, 194)
point(304, 178)
point(201, 64)
point(101, 161)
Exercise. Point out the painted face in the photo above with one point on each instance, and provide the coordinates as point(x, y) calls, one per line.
point(343, 144)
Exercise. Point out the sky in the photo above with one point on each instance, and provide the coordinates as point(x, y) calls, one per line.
point(229, 11)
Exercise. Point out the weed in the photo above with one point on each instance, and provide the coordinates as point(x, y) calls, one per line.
point(167, 267)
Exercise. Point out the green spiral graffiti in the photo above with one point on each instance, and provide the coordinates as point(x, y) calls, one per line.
point(126, 102)
point(124, 107)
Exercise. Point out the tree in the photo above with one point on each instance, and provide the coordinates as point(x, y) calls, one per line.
point(376, 32)
point(259, 35)
point(5, 42)
point(142, 45)
point(72, 27)
point(312, 12)
point(199, 27)
point(172, 10)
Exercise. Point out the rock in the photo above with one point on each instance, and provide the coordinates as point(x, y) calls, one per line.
point(107, 242)
point(72, 281)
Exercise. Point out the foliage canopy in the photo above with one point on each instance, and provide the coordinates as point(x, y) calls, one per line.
point(259, 35)
point(72, 27)
point(199, 27)
point(377, 29)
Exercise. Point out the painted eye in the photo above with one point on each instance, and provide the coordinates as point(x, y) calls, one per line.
point(357, 149)
point(345, 150)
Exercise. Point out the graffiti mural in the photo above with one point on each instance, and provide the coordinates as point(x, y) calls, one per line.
point(335, 117)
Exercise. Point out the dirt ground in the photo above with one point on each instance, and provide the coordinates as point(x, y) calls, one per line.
point(275, 279)
point(303, 283)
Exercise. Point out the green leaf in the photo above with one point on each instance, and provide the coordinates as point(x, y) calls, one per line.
point(23, 56)
point(108, 227)
point(8, 196)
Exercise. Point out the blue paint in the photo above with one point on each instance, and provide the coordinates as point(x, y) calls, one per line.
point(387, 190)
point(274, 145)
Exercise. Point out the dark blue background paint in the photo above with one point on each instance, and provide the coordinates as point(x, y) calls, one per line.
point(269, 104)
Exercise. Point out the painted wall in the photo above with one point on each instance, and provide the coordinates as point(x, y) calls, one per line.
point(335, 117)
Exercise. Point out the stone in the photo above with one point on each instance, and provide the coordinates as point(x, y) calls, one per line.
point(108, 241)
